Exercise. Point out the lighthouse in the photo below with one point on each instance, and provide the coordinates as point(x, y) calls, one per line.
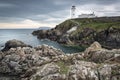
point(73, 11)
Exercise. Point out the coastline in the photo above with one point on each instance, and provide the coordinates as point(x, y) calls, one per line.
point(26, 36)
point(105, 30)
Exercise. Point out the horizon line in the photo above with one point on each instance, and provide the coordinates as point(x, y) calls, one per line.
point(24, 28)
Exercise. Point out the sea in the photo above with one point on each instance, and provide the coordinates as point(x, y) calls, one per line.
point(26, 36)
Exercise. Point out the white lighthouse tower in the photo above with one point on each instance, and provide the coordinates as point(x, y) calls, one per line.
point(73, 11)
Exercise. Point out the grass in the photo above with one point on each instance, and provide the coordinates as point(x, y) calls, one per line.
point(101, 26)
point(63, 67)
point(115, 70)
point(65, 26)
point(95, 25)
point(38, 78)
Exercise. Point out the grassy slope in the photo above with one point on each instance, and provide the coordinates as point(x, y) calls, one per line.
point(66, 25)
point(98, 24)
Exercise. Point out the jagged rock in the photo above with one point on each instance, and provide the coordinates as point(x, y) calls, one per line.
point(109, 72)
point(48, 72)
point(93, 47)
point(20, 60)
point(48, 51)
point(42, 63)
point(1, 55)
point(109, 38)
point(9, 78)
point(97, 54)
point(105, 72)
point(84, 35)
point(4, 68)
point(13, 44)
point(65, 39)
point(103, 55)
point(117, 59)
point(82, 70)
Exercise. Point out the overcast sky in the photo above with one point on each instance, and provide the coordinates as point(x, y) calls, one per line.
point(40, 13)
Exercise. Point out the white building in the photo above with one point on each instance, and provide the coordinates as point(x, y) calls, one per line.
point(87, 15)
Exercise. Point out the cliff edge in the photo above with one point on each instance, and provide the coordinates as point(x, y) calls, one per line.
point(83, 32)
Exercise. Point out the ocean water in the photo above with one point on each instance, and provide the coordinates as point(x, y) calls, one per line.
point(26, 36)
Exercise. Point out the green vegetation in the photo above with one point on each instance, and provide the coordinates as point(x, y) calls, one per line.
point(97, 24)
point(38, 78)
point(65, 26)
point(63, 67)
point(115, 70)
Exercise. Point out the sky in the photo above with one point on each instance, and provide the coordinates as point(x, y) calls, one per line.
point(49, 13)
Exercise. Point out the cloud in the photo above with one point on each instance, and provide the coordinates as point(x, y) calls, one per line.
point(24, 24)
point(55, 17)
point(4, 5)
point(101, 10)
point(36, 13)
point(62, 2)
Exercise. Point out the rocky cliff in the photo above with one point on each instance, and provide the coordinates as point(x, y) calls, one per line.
point(83, 32)
point(47, 63)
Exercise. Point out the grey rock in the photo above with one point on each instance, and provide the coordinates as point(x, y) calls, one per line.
point(98, 54)
point(83, 71)
point(48, 72)
point(13, 44)
point(40, 63)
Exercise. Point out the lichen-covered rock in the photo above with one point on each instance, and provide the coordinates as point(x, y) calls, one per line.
point(105, 72)
point(48, 51)
point(98, 54)
point(109, 72)
point(82, 70)
point(20, 61)
point(93, 47)
point(48, 63)
point(9, 78)
point(86, 32)
point(1, 55)
point(48, 72)
point(109, 38)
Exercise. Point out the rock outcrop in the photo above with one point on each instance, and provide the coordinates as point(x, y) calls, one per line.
point(13, 44)
point(48, 72)
point(47, 63)
point(105, 30)
point(109, 38)
point(98, 54)
point(83, 70)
